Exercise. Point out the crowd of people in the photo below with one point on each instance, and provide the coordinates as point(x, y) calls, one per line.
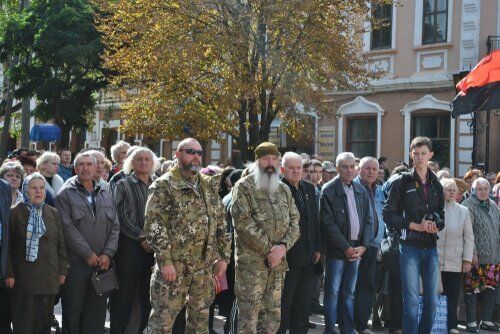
point(259, 243)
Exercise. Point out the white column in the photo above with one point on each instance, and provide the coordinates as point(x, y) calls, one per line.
point(407, 137)
point(379, 133)
point(340, 128)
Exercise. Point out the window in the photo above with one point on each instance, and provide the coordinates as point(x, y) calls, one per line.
point(382, 33)
point(362, 136)
point(435, 21)
point(437, 128)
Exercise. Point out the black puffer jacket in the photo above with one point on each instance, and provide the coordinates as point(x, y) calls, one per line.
point(407, 204)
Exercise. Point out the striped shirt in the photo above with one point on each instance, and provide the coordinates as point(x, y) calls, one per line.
point(130, 195)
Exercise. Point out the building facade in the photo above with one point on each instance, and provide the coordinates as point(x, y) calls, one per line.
point(419, 49)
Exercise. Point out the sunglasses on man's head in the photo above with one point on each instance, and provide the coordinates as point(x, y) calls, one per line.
point(192, 151)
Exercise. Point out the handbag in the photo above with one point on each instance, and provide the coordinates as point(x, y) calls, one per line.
point(440, 325)
point(104, 283)
point(389, 248)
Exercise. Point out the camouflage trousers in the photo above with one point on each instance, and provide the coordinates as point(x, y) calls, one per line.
point(192, 288)
point(258, 293)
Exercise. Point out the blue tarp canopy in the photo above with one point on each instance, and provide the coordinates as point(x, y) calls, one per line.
point(45, 132)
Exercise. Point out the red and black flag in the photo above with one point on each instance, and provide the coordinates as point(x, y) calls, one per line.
point(480, 89)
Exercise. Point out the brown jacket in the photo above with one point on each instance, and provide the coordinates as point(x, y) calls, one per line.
point(40, 277)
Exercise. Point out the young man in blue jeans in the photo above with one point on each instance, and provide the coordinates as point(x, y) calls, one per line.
point(415, 208)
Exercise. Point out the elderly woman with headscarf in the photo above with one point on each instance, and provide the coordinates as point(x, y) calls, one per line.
point(485, 274)
point(13, 173)
point(37, 263)
point(455, 248)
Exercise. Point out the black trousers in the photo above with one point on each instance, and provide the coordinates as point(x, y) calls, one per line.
point(451, 289)
point(488, 297)
point(133, 268)
point(82, 311)
point(32, 314)
point(5, 313)
point(391, 264)
point(296, 299)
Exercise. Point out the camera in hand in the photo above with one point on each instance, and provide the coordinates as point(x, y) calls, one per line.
point(430, 216)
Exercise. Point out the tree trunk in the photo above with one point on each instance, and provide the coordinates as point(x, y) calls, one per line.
point(241, 140)
point(65, 130)
point(8, 91)
point(26, 109)
point(25, 123)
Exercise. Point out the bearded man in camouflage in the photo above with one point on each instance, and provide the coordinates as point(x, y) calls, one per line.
point(185, 227)
point(266, 224)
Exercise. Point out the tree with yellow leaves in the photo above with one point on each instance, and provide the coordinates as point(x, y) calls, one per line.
point(231, 66)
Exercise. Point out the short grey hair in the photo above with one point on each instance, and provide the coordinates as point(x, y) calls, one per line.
point(366, 160)
point(127, 164)
point(96, 152)
point(344, 156)
point(118, 146)
point(85, 154)
point(12, 166)
point(290, 156)
point(34, 176)
point(479, 181)
point(45, 158)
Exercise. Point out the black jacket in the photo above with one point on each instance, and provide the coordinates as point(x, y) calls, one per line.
point(302, 252)
point(407, 204)
point(5, 201)
point(334, 218)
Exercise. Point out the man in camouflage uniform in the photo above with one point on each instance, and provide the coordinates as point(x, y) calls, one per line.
point(266, 225)
point(185, 227)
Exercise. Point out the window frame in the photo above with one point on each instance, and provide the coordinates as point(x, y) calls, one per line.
point(438, 115)
point(435, 12)
point(348, 142)
point(389, 28)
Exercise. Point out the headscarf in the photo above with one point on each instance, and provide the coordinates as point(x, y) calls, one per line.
point(36, 227)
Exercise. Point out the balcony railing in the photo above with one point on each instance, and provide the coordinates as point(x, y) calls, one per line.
point(493, 43)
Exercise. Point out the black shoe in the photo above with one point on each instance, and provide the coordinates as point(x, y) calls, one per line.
point(317, 309)
point(472, 329)
point(311, 325)
point(54, 322)
point(377, 326)
point(490, 328)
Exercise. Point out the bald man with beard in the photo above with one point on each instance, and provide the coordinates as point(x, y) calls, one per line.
point(266, 224)
point(184, 225)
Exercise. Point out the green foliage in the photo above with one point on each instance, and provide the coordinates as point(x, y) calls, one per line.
point(59, 52)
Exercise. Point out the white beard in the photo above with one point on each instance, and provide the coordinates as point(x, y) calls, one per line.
point(265, 182)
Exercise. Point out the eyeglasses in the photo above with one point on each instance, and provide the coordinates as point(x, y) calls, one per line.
point(192, 151)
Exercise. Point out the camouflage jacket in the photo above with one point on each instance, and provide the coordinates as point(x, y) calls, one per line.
point(183, 225)
point(261, 221)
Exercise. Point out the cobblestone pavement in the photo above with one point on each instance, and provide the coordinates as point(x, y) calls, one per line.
point(219, 323)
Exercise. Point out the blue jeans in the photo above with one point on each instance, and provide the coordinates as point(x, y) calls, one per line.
point(416, 263)
point(340, 273)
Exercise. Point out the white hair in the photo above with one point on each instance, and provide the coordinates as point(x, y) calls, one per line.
point(45, 158)
point(87, 154)
point(443, 174)
point(96, 152)
point(127, 163)
point(448, 183)
point(344, 156)
point(479, 181)
point(290, 156)
point(118, 146)
point(263, 181)
point(366, 160)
